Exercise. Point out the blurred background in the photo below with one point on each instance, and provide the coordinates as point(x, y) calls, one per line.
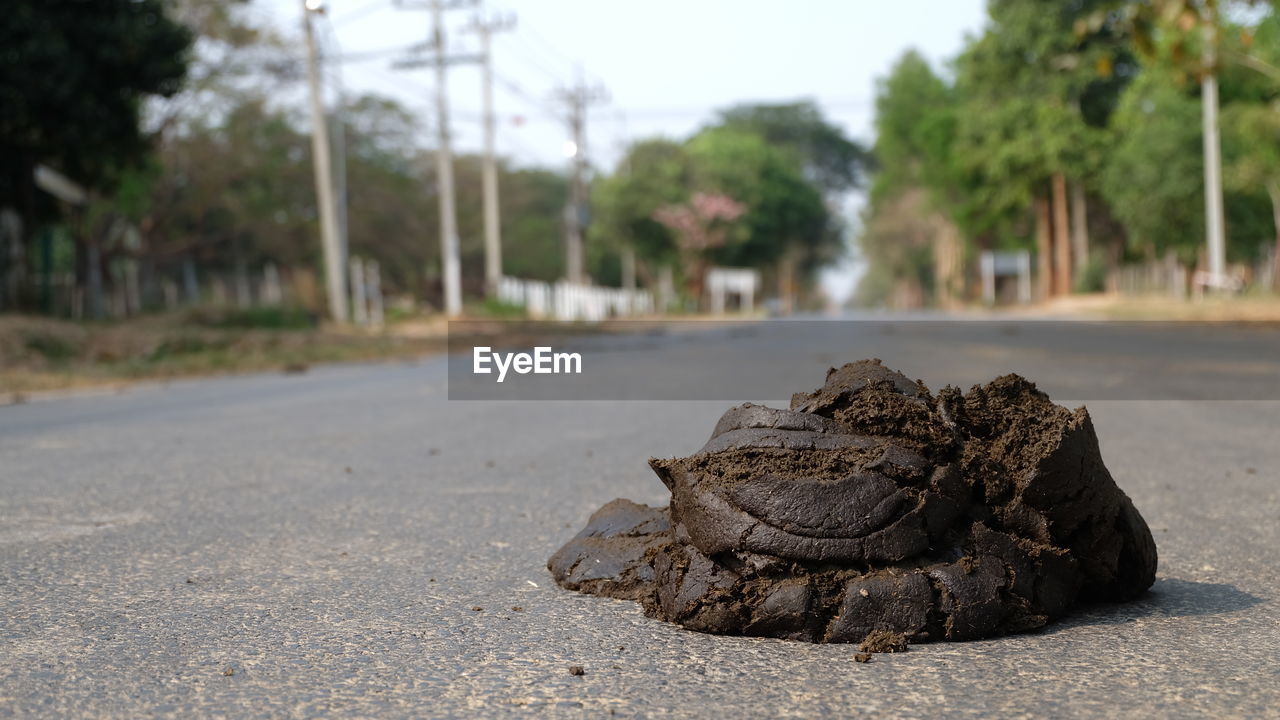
point(189, 186)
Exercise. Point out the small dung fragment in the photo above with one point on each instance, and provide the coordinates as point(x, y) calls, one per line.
point(576, 670)
point(874, 511)
point(883, 641)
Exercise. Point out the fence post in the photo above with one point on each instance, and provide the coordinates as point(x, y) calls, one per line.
point(359, 308)
point(373, 290)
point(190, 283)
point(271, 293)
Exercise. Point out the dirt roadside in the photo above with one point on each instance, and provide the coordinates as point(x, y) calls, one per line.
point(41, 355)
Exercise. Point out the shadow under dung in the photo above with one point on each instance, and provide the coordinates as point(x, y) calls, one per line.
point(1168, 597)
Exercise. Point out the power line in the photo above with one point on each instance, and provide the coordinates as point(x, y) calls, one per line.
point(549, 49)
point(517, 90)
point(526, 51)
point(367, 55)
point(360, 12)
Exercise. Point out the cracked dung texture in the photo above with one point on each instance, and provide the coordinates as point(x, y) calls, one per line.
point(874, 508)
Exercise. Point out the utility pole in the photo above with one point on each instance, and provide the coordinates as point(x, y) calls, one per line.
point(492, 228)
point(340, 175)
point(444, 155)
point(1213, 216)
point(629, 249)
point(335, 273)
point(578, 98)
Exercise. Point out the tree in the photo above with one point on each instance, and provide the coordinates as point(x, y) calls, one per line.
point(72, 92)
point(1154, 178)
point(1186, 38)
point(1253, 157)
point(915, 189)
point(825, 155)
point(1035, 96)
point(533, 202)
point(784, 210)
point(700, 226)
point(898, 241)
point(653, 174)
point(915, 131)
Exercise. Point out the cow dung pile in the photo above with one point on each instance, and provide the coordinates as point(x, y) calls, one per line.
point(874, 510)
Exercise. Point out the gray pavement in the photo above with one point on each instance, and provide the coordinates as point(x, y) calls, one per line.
point(350, 543)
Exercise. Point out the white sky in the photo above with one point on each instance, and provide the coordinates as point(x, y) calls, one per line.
point(667, 64)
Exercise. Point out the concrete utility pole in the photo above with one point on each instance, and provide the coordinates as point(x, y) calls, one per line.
point(444, 155)
point(340, 174)
point(629, 249)
point(577, 97)
point(492, 227)
point(1215, 226)
point(335, 273)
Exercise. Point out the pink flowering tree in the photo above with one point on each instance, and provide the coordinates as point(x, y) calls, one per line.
point(700, 225)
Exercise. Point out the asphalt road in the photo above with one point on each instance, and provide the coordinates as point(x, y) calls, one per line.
point(348, 542)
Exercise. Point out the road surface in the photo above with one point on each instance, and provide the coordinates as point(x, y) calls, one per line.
point(349, 542)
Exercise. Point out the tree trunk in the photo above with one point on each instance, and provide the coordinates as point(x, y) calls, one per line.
point(786, 283)
point(1061, 238)
point(628, 268)
point(695, 267)
point(1273, 189)
point(1044, 248)
point(666, 289)
point(190, 283)
point(1079, 230)
point(93, 273)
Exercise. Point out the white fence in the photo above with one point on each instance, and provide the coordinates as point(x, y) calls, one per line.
point(567, 301)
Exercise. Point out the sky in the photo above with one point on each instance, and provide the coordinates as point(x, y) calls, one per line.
point(665, 66)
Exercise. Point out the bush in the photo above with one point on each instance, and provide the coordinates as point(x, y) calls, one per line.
point(497, 309)
point(51, 347)
point(259, 318)
point(1094, 277)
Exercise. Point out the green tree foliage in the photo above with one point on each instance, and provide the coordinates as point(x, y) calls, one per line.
point(915, 184)
point(1154, 179)
point(75, 77)
point(780, 162)
point(239, 190)
point(915, 131)
point(1254, 150)
point(1033, 95)
point(653, 174)
point(783, 208)
point(827, 157)
point(1103, 92)
point(533, 202)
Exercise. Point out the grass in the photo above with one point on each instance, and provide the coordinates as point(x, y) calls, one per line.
point(38, 354)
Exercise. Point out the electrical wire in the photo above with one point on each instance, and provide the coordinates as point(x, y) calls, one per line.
point(515, 89)
point(360, 12)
